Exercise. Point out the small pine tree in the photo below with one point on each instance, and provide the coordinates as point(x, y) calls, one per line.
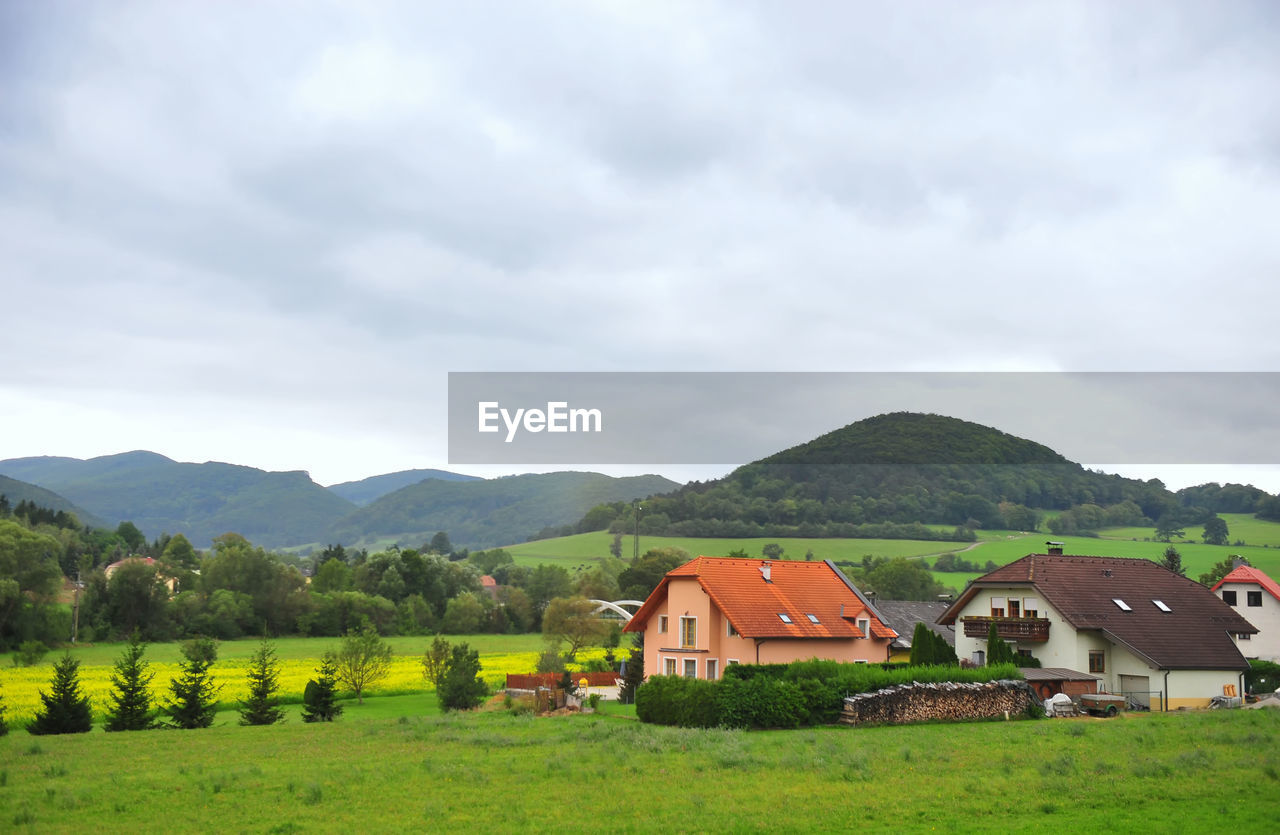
point(1172, 560)
point(461, 687)
point(998, 650)
point(264, 681)
point(194, 701)
point(130, 695)
point(633, 678)
point(320, 701)
point(66, 710)
point(922, 645)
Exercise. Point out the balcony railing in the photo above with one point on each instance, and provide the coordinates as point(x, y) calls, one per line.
point(1010, 629)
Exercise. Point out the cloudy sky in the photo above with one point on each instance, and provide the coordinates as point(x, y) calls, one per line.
point(266, 232)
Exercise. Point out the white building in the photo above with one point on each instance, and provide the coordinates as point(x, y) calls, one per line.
point(1257, 597)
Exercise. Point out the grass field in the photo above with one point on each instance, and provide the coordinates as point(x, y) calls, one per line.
point(299, 657)
point(1191, 772)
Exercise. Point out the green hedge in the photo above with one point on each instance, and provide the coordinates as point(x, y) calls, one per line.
point(784, 695)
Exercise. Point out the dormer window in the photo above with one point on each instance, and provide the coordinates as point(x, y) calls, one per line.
point(785, 617)
point(1160, 605)
point(1124, 607)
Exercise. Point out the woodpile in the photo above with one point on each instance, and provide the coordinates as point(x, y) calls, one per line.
point(917, 702)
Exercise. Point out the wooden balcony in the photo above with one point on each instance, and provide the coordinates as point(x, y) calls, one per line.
point(1010, 629)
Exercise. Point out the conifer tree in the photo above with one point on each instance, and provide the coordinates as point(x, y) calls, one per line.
point(922, 646)
point(319, 701)
point(998, 650)
point(130, 695)
point(633, 678)
point(264, 680)
point(461, 687)
point(194, 697)
point(66, 710)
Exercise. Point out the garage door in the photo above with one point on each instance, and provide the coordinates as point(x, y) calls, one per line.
point(1137, 688)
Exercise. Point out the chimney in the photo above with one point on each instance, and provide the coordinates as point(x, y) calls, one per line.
point(1055, 548)
point(764, 569)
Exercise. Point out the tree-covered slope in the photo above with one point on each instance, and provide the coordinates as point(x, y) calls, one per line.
point(202, 501)
point(893, 469)
point(483, 514)
point(16, 491)
point(366, 490)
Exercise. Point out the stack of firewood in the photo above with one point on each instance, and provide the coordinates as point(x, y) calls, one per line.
point(917, 702)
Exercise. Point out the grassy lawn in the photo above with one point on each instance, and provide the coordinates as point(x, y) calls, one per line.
point(1212, 771)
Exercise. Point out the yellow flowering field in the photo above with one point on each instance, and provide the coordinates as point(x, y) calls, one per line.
point(20, 686)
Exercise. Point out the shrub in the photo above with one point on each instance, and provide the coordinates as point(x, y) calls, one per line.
point(461, 687)
point(29, 654)
point(673, 700)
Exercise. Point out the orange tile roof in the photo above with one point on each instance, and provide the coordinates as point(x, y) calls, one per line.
point(752, 604)
point(1249, 574)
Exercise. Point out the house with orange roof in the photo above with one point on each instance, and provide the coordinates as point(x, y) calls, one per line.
point(1257, 597)
point(713, 612)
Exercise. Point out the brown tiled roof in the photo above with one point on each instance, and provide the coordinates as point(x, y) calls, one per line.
point(752, 604)
point(1249, 574)
point(1195, 634)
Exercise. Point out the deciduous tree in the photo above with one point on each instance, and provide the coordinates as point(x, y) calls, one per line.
point(573, 620)
point(362, 659)
point(435, 660)
point(1215, 531)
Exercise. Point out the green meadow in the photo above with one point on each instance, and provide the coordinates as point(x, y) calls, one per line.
point(492, 770)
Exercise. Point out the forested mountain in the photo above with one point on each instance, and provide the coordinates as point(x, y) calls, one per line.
point(366, 490)
point(16, 491)
point(202, 501)
point(485, 513)
point(878, 476)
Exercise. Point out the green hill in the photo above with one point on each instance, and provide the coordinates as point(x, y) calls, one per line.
point(487, 513)
point(366, 490)
point(202, 501)
point(883, 476)
point(16, 491)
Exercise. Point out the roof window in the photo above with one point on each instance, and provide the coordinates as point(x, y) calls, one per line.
point(1124, 607)
point(812, 618)
point(785, 617)
point(1160, 605)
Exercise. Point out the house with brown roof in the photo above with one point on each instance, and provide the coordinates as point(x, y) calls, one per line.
point(1257, 597)
point(713, 612)
point(1161, 639)
point(902, 616)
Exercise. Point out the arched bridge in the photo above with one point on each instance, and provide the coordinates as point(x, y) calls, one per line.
point(616, 607)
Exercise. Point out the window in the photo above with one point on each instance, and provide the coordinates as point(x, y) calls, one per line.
point(713, 669)
point(729, 630)
point(1015, 607)
point(688, 632)
point(997, 607)
point(1124, 607)
point(1229, 597)
point(729, 662)
point(1255, 598)
point(785, 617)
point(1025, 653)
point(1243, 636)
point(813, 618)
point(1031, 607)
point(662, 624)
point(668, 666)
point(864, 626)
point(1160, 605)
point(1097, 661)
point(691, 668)
point(979, 658)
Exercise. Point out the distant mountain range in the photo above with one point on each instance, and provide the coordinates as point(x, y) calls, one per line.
point(280, 509)
point(366, 490)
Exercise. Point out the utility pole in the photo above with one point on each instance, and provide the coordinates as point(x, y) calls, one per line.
point(635, 545)
point(75, 609)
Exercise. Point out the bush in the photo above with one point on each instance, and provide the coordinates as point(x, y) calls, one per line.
point(461, 687)
point(29, 654)
point(673, 700)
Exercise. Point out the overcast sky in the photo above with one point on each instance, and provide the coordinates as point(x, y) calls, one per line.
point(264, 232)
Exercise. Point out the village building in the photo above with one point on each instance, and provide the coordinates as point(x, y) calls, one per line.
point(1257, 598)
point(1160, 639)
point(713, 612)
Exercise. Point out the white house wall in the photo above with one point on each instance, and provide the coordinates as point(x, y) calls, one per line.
point(1266, 644)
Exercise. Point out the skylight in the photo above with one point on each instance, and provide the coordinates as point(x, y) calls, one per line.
point(813, 618)
point(1160, 605)
point(785, 617)
point(1124, 607)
